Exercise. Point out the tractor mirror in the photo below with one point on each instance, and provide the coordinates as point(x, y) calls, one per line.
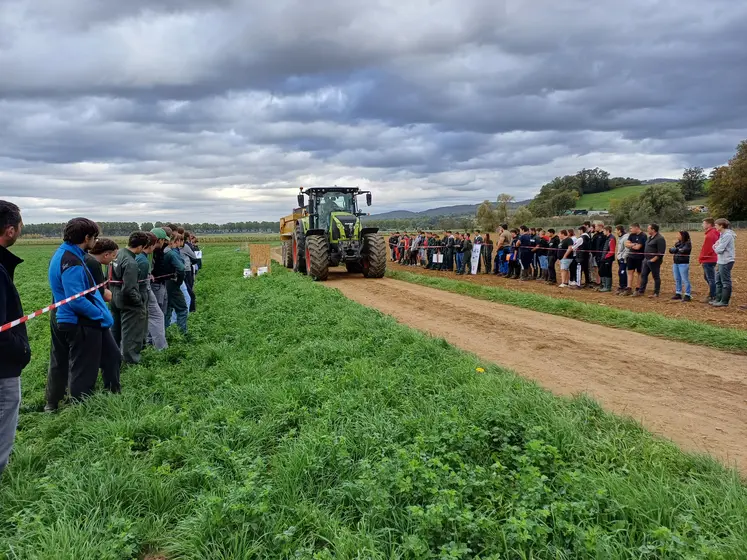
point(300, 201)
point(368, 199)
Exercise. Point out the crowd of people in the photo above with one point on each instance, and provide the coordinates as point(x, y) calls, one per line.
point(580, 258)
point(133, 295)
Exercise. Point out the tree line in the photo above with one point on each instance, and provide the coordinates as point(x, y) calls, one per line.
point(120, 229)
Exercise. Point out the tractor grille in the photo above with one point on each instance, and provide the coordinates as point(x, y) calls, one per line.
point(348, 225)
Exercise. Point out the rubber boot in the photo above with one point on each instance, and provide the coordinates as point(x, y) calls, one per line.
point(606, 284)
point(725, 297)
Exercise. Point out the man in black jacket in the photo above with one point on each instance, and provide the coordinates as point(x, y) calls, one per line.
point(15, 352)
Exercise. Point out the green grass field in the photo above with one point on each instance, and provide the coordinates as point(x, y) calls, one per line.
point(602, 200)
point(296, 424)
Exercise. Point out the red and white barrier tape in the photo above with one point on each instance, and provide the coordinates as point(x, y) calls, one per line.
point(17, 322)
point(65, 301)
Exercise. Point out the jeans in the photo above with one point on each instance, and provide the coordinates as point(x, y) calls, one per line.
point(459, 261)
point(681, 274)
point(10, 403)
point(723, 279)
point(709, 273)
point(543, 262)
point(655, 269)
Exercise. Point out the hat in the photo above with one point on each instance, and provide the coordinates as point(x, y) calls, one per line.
point(159, 233)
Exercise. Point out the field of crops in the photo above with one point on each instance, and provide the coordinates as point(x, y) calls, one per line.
point(296, 423)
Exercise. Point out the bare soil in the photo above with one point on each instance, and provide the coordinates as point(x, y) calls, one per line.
point(693, 395)
point(730, 316)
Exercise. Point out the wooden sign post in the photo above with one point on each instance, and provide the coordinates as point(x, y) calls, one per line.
point(259, 257)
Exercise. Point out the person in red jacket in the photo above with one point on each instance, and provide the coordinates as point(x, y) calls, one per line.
point(708, 257)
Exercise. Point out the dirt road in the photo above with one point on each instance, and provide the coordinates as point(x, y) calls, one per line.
point(696, 396)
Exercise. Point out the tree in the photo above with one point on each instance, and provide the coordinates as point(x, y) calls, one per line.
point(504, 205)
point(727, 197)
point(487, 217)
point(692, 183)
point(146, 226)
point(666, 201)
point(522, 216)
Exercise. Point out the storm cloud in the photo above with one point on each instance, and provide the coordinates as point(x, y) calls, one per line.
point(219, 110)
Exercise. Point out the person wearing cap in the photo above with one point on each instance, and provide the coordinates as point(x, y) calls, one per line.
point(160, 270)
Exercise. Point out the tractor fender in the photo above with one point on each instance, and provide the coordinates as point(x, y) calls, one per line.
point(369, 230)
point(315, 232)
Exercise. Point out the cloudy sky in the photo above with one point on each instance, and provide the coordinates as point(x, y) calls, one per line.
point(198, 110)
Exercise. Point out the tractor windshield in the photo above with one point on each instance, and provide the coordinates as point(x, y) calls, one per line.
point(336, 202)
point(331, 202)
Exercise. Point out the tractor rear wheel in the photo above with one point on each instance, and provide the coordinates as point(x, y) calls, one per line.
point(299, 251)
point(288, 254)
point(374, 256)
point(317, 257)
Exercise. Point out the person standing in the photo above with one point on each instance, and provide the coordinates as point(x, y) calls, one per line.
point(467, 255)
point(503, 249)
point(174, 265)
point(622, 258)
point(655, 249)
point(708, 258)
point(553, 246)
point(128, 306)
point(725, 248)
point(102, 254)
point(526, 256)
point(158, 269)
point(606, 258)
point(565, 250)
point(635, 244)
point(487, 253)
point(14, 343)
point(681, 267)
point(78, 328)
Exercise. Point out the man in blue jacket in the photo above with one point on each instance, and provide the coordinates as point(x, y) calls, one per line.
point(15, 353)
point(78, 327)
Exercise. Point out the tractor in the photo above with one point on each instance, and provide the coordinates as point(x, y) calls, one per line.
point(327, 232)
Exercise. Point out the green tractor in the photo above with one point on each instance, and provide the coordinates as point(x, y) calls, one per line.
point(327, 232)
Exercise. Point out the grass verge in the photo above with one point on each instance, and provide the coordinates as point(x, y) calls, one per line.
point(295, 423)
point(683, 330)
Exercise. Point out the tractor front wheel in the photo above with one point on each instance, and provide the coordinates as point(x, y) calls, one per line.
point(317, 257)
point(374, 256)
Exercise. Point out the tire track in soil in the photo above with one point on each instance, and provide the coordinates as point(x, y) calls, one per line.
point(693, 395)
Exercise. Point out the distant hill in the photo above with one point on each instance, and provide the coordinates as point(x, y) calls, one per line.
point(458, 210)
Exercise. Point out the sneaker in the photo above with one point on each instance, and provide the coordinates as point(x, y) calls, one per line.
point(49, 408)
point(653, 296)
point(637, 294)
point(720, 304)
point(686, 299)
point(563, 286)
point(677, 296)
